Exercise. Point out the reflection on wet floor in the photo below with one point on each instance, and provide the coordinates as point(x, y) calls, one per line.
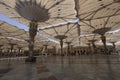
point(4, 71)
point(85, 67)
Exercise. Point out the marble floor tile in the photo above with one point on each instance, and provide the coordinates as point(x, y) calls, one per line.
point(91, 67)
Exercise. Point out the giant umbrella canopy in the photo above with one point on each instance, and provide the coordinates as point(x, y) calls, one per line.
point(13, 32)
point(97, 9)
point(91, 40)
point(101, 27)
point(47, 12)
point(98, 16)
point(64, 33)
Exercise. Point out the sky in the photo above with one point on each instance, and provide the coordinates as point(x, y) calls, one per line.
point(13, 22)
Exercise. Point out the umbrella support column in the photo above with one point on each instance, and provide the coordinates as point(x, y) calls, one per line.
point(68, 48)
point(1, 51)
point(61, 37)
point(46, 50)
point(89, 48)
point(32, 34)
point(61, 44)
point(103, 38)
point(19, 51)
point(94, 48)
point(114, 47)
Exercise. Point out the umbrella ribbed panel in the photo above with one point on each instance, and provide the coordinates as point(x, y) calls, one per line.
point(60, 37)
point(32, 11)
point(102, 31)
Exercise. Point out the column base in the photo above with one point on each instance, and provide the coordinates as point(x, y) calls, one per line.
point(31, 59)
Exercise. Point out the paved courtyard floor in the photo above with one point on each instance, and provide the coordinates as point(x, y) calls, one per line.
point(85, 67)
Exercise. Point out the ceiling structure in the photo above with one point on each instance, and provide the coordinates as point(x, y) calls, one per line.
point(97, 9)
point(10, 30)
point(98, 16)
point(70, 30)
point(59, 11)
point(10, 34)
point(94, 17)
point(115, 37)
